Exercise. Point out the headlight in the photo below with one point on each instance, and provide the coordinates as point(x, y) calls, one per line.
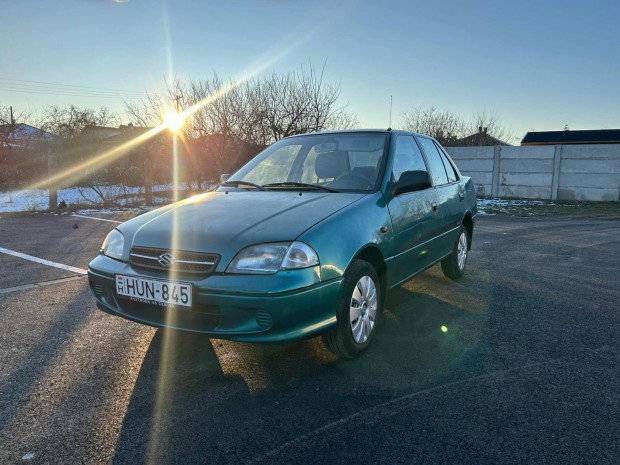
point(269, 258)
point(113, 245)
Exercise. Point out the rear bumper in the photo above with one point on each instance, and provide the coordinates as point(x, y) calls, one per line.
point(220, 312)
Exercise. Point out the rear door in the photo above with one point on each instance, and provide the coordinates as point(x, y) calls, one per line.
point(449, 195)
point(456, 209)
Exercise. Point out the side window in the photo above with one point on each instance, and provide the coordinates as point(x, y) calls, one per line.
point(452, 176)
point(407, 157)
point(438, 172)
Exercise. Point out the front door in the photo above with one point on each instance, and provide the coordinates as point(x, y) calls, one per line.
point(416, 216)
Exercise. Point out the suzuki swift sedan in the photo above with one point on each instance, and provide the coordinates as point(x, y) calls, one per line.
point(306, 239)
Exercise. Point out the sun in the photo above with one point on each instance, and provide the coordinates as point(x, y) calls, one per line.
point(173, 120)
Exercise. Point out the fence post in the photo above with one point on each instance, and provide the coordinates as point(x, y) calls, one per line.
point(557, 157)
point(52, 187)
point(148, 186)
point(495, 181)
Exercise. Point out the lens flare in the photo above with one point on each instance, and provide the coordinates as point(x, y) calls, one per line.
point(173, 120)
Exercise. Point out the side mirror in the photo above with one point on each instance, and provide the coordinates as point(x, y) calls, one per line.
point(412, 181)
point(225, 177)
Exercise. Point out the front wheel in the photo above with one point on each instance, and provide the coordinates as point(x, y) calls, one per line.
point(453, 266)
point(358, 309)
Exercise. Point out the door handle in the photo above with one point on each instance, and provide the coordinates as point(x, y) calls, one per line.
point(461, 196)
point(434, 205)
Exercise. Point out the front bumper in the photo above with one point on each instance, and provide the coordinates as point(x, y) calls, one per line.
point(287, 306)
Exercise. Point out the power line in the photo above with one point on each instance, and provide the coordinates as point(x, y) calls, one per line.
point(68, 86)
point(38, 87)
point(67, 93)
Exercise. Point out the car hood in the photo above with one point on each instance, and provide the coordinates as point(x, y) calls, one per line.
point(226, 222)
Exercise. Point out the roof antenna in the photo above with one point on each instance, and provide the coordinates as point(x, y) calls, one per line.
point(390, 125)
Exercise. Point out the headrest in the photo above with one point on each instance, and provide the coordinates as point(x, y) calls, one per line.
point(331, 164)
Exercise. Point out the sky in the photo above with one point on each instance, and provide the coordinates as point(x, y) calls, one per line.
point(536, 65)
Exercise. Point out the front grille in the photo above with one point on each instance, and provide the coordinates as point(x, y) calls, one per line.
point(180, 260)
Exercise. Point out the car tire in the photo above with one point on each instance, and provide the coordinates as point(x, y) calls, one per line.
point(358, 309)
point(453, 266)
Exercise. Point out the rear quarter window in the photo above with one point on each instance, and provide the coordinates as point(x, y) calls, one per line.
point(450, 170)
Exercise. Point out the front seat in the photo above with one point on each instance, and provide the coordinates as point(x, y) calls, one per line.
point(331, 165)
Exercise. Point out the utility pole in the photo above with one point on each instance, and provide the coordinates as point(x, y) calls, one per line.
point(175, 160)
point(176, 102)
point(52, 188)
point(11, 128)
point(6, 134)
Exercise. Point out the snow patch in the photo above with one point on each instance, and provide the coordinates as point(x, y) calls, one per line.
point(492, 206)
point(38, 199)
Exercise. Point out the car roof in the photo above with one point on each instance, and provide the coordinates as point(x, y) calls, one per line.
point(347, 131)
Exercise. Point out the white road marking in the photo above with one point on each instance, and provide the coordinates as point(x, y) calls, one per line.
point(25, 287)
point(95, 218)
point(58, 281)
point(42, 261)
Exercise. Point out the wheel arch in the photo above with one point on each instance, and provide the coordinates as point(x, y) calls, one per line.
point(373, 255)
point(468, 222)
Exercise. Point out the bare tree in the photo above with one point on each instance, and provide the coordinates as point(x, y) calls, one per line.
point(9, 171)
point(10, 122)
point(296, 103)
point(231, 121)
point(341, 120)
point(153, 156)
point(444, 126)
point(450, 129)
point(492, 125)
point(23, 147)
point(72, 147)
point(68, 122)
point(148, 112)
point(7, 125)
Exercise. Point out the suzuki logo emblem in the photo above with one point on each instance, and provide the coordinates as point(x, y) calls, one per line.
point(166, 259)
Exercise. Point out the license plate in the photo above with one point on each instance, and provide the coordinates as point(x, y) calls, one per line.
point(154, 291)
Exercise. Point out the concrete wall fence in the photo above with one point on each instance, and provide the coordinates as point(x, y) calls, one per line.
point(547, 172)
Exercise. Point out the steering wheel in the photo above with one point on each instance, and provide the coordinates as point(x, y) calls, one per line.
point(354, 178)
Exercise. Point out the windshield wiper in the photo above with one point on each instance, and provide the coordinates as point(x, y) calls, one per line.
point(300, 184)
point(242, 183)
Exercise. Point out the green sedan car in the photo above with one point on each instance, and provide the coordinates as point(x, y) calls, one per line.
point(306, 239)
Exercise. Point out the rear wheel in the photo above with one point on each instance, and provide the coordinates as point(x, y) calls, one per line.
point(358, 309)
point(453, 266)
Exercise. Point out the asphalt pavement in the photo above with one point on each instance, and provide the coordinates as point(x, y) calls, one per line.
point(518, 362)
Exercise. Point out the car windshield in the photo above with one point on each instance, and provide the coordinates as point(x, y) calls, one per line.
point(329, 162)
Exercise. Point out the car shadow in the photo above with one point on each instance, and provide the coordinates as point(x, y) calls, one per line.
point(178, 381)
point(201, 400)
point(62, 321)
